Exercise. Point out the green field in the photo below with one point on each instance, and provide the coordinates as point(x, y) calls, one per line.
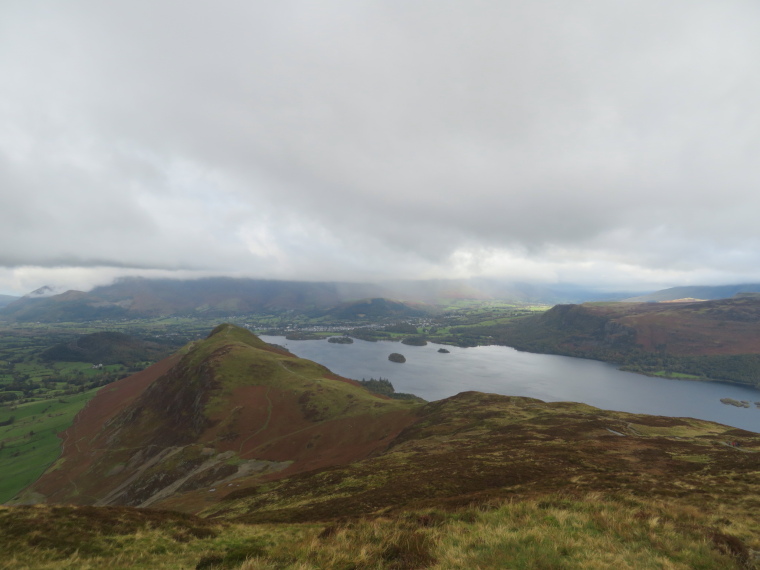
point(30, 443)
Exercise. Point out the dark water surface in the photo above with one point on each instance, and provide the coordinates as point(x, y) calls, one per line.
point(503, 370)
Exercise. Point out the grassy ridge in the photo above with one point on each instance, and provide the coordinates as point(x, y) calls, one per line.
point(30, 443)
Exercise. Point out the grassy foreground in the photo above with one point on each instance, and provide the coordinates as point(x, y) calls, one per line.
point(593, 531)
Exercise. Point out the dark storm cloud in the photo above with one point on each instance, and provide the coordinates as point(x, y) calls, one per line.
point(551, 140)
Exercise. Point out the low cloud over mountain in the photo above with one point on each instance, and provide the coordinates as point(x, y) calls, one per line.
point(612, 143)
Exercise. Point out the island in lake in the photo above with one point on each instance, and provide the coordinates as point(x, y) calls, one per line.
point(396, 357)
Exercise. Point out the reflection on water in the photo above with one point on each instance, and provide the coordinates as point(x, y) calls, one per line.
point(503, 370)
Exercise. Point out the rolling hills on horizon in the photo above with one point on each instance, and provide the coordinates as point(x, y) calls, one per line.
point(220, 297)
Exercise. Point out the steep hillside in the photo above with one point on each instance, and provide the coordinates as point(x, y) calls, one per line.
point(229, 408)
point(717, 340)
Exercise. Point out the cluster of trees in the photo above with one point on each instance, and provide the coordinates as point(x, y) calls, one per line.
point(740, 369)
point(416, 340)
point(384, 387)
point(380, 386)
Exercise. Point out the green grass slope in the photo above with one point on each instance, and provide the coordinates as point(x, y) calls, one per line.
point(29, 441)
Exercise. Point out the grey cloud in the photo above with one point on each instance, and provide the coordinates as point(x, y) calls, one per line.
point(374, 138)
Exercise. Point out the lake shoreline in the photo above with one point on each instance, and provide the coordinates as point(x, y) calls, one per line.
point(505, 370)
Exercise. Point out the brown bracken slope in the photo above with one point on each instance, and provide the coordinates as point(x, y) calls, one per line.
point(474, 448)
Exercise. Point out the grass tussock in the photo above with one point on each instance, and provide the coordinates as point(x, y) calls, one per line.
point(554, 532)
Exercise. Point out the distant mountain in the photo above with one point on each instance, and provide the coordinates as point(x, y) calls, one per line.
point(711, 340)
point(221, 297)
point(44, 291)
point(212, 297)
point(7, 300)
point(706, 293)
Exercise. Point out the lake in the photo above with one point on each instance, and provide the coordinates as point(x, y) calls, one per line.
point(504, 370)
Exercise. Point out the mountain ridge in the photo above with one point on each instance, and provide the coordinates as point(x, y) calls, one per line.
point(199, 415)
point(219, 297)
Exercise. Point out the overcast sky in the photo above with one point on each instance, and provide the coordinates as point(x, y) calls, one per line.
point(601, 142)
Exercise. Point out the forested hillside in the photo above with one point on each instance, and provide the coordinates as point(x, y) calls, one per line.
point(713, 340)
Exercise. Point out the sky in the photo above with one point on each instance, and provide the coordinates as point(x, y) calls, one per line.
point(608, 143)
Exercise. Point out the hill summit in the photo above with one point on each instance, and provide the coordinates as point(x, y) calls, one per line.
point(228, 410)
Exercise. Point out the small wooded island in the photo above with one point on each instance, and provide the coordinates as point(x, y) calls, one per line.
point(443, 351)
point(341, 340)
point(396, 357)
